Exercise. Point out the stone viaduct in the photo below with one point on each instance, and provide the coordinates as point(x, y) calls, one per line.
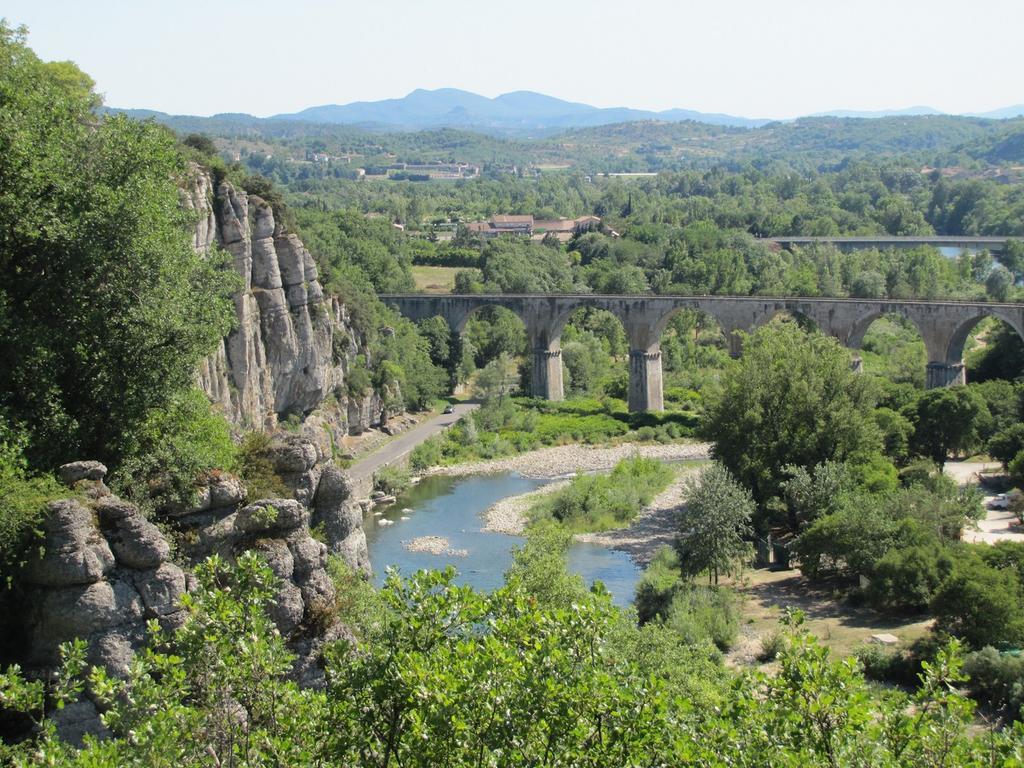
point(944, 326)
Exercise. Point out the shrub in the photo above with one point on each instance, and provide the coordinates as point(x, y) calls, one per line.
point(606, 501)
point(701, 614)
point(899, 667)
point(539, 568)
point(906, 579)
point(172, 449)
point(980, 604)
point(426, 454)
point(771, 646)
point(391, 480)
point(657, 585)
point(356, 602)
point(358, 381)
point(996, 679)
point(257, 471)
point(1007, 443)
point(23, 499)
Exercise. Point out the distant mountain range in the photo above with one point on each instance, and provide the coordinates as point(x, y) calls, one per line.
point(525, 111)
point(516, 112)
point(528, 113)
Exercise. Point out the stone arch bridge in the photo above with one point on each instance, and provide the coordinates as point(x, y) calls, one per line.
point(944, 326)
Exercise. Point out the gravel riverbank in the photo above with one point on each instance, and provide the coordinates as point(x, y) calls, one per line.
point(652, 529)
point(509, 515)
point(561, 460)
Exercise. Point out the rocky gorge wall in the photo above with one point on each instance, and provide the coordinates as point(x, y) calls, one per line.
point(292, 347)
point(102, 570)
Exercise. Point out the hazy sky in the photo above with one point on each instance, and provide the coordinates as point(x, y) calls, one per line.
point(757, 58)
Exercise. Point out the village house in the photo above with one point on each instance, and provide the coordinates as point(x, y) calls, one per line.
point(563, 229)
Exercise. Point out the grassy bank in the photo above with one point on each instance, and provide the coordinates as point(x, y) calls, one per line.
point(600, 502)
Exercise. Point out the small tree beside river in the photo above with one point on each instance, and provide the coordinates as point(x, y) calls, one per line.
point(714, 525)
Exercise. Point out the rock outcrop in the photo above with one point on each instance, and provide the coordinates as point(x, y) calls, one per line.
point(103, 571)
point(292, 346)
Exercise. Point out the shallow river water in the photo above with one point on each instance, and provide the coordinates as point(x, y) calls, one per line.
point(453, 507)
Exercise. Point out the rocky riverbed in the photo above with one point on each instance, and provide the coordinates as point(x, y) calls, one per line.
point(562, 460)
point(433, 545)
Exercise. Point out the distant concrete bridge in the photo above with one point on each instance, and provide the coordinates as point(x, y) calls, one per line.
point(994, 244)
point(943, 325)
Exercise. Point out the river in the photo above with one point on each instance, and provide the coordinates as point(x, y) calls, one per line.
point(453, 507)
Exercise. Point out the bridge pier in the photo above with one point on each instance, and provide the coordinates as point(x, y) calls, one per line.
point(645, 381)
point(546, 374)
point(945, 375)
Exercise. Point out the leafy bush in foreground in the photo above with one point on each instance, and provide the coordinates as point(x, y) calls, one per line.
point(445, 675)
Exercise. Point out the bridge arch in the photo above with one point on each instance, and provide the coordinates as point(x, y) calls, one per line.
point(958, 339)
point(803, 318)
point(855, 337)
point(905, 356)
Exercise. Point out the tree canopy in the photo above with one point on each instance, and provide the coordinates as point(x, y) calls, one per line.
point(791, 401)
point(105, 308)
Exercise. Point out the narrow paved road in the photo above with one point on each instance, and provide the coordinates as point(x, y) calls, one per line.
point(406, 441)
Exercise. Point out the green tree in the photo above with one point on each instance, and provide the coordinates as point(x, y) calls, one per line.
point(105, 308)
point(980, 604)
point(585, 362)
point(791, 401)
point(496, 380)
point(947, 422)
point(712, 527)
point(437, 333)
point(1007, 443)
point(810, 495)
point(998, 283)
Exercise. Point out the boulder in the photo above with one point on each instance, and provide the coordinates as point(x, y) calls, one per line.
point(293, 456)
point(317, 594)
point(73, 551)
point(60, 615)
point(287, 609)
point(332, 506)
point(81, 470)
point(224, 491)
point(308, 554)
point(271, 515)
point(77, 720)
point(278, 556)
point(115, 649)
point(354, 552)
point(161, 590)
point(137, 543)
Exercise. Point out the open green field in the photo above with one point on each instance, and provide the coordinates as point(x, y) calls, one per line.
point(434, 279)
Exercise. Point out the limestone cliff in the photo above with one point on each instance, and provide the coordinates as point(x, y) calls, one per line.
point(292, 345)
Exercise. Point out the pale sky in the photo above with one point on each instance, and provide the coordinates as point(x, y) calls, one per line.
point(755, 58)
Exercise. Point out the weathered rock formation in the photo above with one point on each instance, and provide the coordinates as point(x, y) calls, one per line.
point(103, 571)
point(292, 346)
